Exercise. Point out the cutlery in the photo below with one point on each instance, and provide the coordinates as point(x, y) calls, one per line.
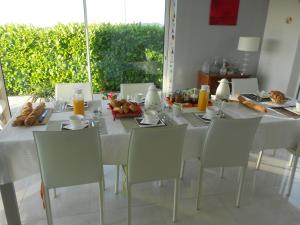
point(43, 115)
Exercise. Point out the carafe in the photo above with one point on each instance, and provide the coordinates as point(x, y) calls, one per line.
point(78, 102)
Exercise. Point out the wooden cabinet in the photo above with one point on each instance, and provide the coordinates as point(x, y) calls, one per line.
point(212, 79)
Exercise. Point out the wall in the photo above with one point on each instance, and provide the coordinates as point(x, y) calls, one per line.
point(196, 41)
point(279, 66)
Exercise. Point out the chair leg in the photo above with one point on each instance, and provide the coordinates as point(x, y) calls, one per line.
point(160, 183)
point(291, 160)
point(101, 202)
point(54, 192)
point(199, 187)
point(103, 180)
point(48, 207)
point(291, 180)
point(259, 159)
point(182, 169)
point(117, 169)
point(129, 203)
point(175, 207)
point(222, 172)
point(241, 185)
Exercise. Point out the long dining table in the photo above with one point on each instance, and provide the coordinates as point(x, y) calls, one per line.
point(18, 157)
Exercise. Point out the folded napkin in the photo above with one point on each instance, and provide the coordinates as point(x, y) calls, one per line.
point(251, 105)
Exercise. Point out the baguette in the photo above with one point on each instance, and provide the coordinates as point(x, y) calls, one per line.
point(26, 110)
point(34, 115)
point(252, 105)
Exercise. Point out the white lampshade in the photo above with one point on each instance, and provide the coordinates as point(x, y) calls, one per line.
point(248, 44)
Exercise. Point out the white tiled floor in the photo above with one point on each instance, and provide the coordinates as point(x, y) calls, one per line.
point(263, 201)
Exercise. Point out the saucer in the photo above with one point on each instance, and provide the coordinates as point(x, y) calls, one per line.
point(68, 126)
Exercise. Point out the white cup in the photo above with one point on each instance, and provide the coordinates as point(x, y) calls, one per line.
point(76, 121)
point(211, 112)
point(139, 97)
point(150, 117)
point(177, 108)
point(298, 107)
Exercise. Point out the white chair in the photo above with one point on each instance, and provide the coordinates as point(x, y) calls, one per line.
point(5, 113)
point(244, 86)
point(227, 144)
point(65, 91)
point(69, 158)
point(134, 89)
point(293, 163)
point(131, 89)
point(155, 154)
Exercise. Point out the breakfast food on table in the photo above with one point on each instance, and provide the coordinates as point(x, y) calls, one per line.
point(251, 105)
point(26, 110)
point(32, 118)
point(123, 106)
point(277, 97)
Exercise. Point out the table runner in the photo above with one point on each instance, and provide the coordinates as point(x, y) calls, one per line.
point(193, 120)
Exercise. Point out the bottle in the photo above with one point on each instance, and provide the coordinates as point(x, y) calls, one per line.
point(203, 98)
point(194, 96)
point(223, 70)
point(78, 102)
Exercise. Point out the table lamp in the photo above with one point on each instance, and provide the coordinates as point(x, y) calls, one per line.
point(246, 45)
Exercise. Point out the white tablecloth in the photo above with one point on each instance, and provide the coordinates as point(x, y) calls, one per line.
point(18, 158)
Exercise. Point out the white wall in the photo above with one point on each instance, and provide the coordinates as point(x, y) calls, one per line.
point(196, 41)
point(279, 64)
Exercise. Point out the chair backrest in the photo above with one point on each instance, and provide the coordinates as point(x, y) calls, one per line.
point(155, 153)
point(244, 86)
point(5, 113)
point(228, 142)
point(65, 91)
point(134, 89)
point(69, 157)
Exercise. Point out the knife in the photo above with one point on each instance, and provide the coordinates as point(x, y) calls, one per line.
point(43, 115)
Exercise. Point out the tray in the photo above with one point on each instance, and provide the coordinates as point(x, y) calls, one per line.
point(293, 110)
point(137, 113)
point(43, 118)
point(139, 120)
point(202, 117)
point(66, 126)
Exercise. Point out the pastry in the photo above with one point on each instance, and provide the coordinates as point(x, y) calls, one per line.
point(26, 110)
point(277, 97)
point(251, 105)
point(34, 115)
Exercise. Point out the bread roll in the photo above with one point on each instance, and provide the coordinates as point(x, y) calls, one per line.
point(34, 115)
point(26, 110)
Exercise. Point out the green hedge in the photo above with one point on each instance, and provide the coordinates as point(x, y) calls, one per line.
point(35, 59)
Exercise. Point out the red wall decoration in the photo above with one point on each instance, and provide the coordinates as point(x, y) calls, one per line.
point(224, 12)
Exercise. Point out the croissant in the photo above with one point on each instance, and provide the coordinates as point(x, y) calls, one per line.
point(277, 97)
point(26, 110)
point(34, 115)
point(251, 105)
